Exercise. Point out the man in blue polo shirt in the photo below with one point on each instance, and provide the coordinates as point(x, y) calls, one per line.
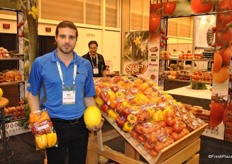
point(62, 82)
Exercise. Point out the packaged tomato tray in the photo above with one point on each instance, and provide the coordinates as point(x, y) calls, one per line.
point(42, 128)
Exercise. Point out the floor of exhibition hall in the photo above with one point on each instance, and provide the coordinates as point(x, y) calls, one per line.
point(212, 150)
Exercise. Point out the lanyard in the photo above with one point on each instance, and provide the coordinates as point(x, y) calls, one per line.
point(61, 75)
point(96, 61)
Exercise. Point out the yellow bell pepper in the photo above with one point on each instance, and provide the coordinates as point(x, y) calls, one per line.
point(41, 141)
point(99, 101)
point(112, 114)
point(127, 127)
point(151, 111)
point(158, 116)
point(132, 118)
point(52, 139)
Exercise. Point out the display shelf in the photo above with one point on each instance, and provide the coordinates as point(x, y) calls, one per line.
point(181, 150)
point(12, 58)
point(204, 59)
point(11, 83)
point(188, 81)
point(187, 91)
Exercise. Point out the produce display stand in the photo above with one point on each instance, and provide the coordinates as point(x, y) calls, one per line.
point(184, 150)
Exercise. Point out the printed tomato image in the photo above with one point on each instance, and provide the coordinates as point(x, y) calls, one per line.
point(226, 55)
point(154, 23)
point(222, 75)
point(199, 6)
point(217, 108)
point(225, 5)
point(155, 6)
point(169, 8)
point(225, 17)
point(217, 58)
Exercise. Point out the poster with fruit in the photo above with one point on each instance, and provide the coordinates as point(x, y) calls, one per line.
point(141, 56)
point(219, 124)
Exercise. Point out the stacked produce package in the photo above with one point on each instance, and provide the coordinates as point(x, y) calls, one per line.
point(143, 109)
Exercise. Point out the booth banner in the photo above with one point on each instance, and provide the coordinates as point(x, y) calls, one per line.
point(141, 57)
point(203, 25)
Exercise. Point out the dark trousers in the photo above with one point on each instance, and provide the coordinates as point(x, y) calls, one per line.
point(72, 140)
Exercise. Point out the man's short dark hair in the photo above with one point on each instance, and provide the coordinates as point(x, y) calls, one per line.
point(93, 42)
point(65, 24)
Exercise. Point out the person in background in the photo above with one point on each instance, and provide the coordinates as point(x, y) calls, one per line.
point(97, 60)
point(65, 80)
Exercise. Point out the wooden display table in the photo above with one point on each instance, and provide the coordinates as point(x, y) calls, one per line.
point(3, 102)
point(183, 150)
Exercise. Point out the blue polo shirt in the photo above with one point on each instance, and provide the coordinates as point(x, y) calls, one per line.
point(45, 80)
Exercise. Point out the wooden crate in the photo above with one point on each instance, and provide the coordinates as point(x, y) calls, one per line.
point(183, 150)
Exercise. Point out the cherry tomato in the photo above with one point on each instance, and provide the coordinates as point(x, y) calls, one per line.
point(198, 6)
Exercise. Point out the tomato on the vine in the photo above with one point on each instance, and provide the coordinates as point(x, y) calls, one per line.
point(225, 5)
point(155, 6)
point(169, 8)
point(198, 6)
point(217, 108)
point(155, 21)
point(224, 18)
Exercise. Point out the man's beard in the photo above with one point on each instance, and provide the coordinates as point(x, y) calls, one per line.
point(66, 50)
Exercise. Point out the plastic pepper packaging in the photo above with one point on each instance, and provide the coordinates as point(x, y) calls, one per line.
point(42, 128)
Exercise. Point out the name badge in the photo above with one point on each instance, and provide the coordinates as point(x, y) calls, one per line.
point(69, 95)
point(95, 70)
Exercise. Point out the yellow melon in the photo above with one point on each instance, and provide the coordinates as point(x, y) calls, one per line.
point(1, 93)
point(92, 116)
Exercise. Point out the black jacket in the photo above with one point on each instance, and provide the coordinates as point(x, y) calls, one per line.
point(101, 63)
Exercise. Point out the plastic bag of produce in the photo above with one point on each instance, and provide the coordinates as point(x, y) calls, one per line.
point(43, 130)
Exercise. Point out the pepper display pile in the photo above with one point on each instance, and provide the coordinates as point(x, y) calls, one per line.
point(140, 107)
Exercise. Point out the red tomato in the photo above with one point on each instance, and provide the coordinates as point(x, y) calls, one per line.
point(162, 123)
point(169, 8)
point(155, 6)
point(147, 146)
point(134, 134)
point(141, 138)
point(170, 121)
point(153, 153)
point(158, 146)
point(227, 35)
point(226, 55)
point(198, 6)
point(216, 113)
point(224, 18)
point(225, 5)
point(175, 136)
point(177, 127)
point(154, 23)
